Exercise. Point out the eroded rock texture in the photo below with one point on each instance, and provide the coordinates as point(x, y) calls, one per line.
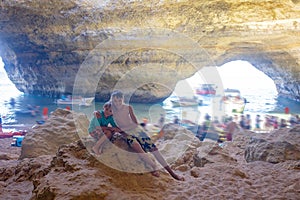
point(59, 166)
point(92, 47)
point(262, 148)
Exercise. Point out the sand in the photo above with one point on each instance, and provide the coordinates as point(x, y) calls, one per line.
point(210, 171)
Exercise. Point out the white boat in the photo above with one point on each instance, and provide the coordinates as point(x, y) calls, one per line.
point(86, 101)
point(185, 101)
point(233, 101)
point(204, 100)
point(81, 101)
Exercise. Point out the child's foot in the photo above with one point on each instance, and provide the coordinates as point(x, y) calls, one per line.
point(179, 178)
point(155, 173)
point(100, 151)
point(95, 150)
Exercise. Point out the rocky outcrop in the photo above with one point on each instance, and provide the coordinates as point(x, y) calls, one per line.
point(271, 152)
point(70, 171)
point(144, 47)
point(287, 148)
point(63, 127)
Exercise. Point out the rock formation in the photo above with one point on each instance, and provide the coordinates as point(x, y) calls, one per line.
point(279, 150)
point(70, 171)
point(63, 127)
point(92, 47)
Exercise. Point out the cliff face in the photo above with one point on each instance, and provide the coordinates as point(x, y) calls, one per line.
point(92, 47)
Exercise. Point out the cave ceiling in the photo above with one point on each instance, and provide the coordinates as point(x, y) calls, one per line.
point(144, 47)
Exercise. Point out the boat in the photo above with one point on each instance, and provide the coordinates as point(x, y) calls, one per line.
point(12, 134)
point(29, 110)
point(86, 102)
point(40, 122)
point(206, 89)
point(204, 100)
point(185, 101)
point(233, 101)
point(81, 101)
point(26, 112)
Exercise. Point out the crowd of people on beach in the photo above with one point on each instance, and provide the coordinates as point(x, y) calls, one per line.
point(226, 127)
point(270, 122)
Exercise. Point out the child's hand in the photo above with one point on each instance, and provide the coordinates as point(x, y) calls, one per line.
point(97, 114)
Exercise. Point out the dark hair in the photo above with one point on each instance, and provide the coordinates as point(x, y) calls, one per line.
point(118, 94)
point(107, 104)
point(207, 117)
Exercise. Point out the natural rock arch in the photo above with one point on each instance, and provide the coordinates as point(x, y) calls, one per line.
point(282, 69)
point(44, 44)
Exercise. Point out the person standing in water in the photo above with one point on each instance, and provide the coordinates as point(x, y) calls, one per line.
point(230, 128)
point(205, 127)
point(135, 135)
point(1, 124)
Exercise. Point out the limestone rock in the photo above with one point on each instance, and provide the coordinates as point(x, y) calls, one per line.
point(146, 47)
point(72, 172)
point(280, 150)
point(62, 127)
point(271, 152)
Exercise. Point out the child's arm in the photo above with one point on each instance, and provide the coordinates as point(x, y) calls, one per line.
point(97, 114)
point(93, 125)
point(132, 115)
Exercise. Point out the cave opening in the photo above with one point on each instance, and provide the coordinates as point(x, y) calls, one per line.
point(7, 87)
point(8, 98)
point(258, 88)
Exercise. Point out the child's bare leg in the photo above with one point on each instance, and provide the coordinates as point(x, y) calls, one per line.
point(138, 149)
point(97, 148)
point(163, 162)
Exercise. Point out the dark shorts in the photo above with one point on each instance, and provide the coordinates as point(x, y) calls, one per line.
point(142, 138)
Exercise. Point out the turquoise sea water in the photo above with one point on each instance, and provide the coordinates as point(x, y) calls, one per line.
point(260, 100)
point(258, 103)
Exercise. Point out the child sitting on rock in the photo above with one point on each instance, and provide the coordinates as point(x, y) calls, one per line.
point(99, 127)
point(136, 135)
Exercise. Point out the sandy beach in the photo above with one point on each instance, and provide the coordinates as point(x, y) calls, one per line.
point(253, 166)
point(7, 151)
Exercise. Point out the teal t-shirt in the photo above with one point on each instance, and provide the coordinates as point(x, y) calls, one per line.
point(102, 121)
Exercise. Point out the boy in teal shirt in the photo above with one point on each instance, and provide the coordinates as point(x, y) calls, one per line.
point(102, 127)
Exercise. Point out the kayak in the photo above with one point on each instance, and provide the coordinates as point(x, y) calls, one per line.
point(12, 133)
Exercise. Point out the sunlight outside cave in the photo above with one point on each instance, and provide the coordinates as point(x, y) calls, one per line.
point(253, 84)
point(10, 88)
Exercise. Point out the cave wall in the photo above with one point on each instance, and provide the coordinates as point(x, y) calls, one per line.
point(54, 47)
